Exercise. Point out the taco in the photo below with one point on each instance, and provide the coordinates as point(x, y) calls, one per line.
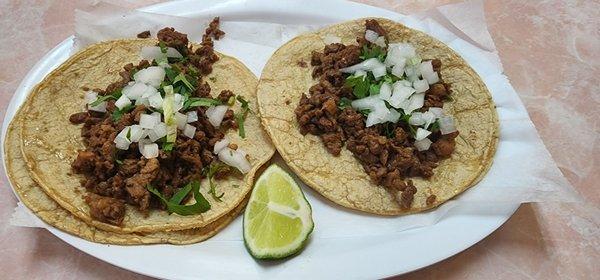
point(168, 142)
point(378, 117)
point(34, 198)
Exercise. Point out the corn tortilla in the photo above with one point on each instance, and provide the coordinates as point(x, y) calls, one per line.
point(342, 179)
point(50, 142)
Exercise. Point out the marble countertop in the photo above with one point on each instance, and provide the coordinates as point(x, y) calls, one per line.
point(550, 53)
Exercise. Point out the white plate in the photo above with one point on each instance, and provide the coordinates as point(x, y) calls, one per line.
point(374, 256)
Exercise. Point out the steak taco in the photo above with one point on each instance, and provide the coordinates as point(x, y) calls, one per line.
point(32, 196)
point(378, 117)
point(146, 135)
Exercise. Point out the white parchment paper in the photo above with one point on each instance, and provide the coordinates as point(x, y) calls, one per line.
point(523, 170)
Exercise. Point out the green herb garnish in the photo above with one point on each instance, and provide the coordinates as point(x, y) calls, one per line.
point(344, 103)
point(115, 95)
point(171, 73)
point(163, 47)
point(167, 146)
point(241, 116)
point(434, 127)
point(182, 78)
point(117, 114)
point(373, 52)
point(202, 205)
point(200, 102)
point(360, 85)
point(210, 172)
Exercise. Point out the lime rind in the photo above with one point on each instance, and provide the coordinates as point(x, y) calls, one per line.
point(276, 212)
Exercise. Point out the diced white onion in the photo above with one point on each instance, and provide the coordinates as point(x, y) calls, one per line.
point(235, 158)
point(181, 120)
point(98, 108)
point(400, 94)
point(155, 101)
point(371, 35)
point(398, 70)
point(154, 52)
point(380, 41)
point(157, 115)
point(142, 101)
point(359, 73)
point(178, 99)
point(148, 121)
point(437, 111)
point(331, 39)
point(426, 69)
point(133, 91)
point(416, 101)
point(216, 114)
point(220, 145)
point(159, 131)
point(189, 130)
point(422, 134)
point(421, 85)
point(149, 91)
point(431, 78)
point(122, 102)
point(446, 125)
point(121, 141)
point(90, 96)
point(379, 71)
point(367, 65)
point(153, 76)
point(423, 145)
point(429, 118)
point(392, 116)
point(406, 50)
point(385, 91)
point(393, 58)
point(149, 150)
point(412, 73)
point(372, 103)
point(136, 133)
point(417, 119)
point(192, 116)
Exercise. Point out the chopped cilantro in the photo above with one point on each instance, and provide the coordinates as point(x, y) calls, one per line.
point(118, 161)
point(182, 78)
point(200, 102)
point(167, 146)
point(162, 46)
point(178, 197)
point(115, 95)
point(117, 114)
point(373, 52)
point(374, 88)
point(344, 103)
point(171, 73)
point(213, 79)
point(202, 205)
point(240, 117)
point(434, 127)
point(360, 85)
point(210, 172)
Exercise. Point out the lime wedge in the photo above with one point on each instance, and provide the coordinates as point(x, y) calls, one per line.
point(278, 219)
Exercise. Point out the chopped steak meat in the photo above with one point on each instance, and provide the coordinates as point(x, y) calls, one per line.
point(386, 151)
point(116, 177)
point(144, 34)
point(106, 209)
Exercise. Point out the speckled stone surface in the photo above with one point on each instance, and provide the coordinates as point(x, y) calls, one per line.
point(550, 53)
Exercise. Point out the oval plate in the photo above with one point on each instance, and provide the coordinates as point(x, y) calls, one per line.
point(225, 256)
